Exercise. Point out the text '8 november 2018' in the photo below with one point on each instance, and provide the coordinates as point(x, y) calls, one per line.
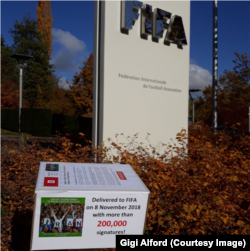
point(125, 242)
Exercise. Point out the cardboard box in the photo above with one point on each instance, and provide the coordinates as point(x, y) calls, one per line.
point(86, 205)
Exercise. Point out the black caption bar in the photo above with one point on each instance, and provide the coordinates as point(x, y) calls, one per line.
point(125, 242)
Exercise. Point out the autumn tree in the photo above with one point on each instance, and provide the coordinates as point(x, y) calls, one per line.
point(82, 89)
point(9, 78)
point(60, 102)
point(10, 95)
point(202, 191)
point(233, 90)
point(1, 40)
point(203, 105)
point(44, 21)
point(28, 41)
point(236, 86)
point(9, 68)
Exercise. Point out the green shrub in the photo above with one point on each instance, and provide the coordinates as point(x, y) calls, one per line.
point(13, 120)
point(71, 124)
point(85, 126)
point(37, 122)
point(65, 124)
point(2, 118)
point(57, 123)
point(9, 119)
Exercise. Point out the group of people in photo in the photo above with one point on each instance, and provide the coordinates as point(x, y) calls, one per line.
point(58, 218)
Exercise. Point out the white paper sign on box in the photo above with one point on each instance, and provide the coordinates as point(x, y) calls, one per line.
point(86, 205)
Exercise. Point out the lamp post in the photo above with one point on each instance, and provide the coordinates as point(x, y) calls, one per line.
point(215, 66)
point(193, 90)
point(248, 106)
point(20, 57)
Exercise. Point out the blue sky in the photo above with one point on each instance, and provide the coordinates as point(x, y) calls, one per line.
point(73, 33)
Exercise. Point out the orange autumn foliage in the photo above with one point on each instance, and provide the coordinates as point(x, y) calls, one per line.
point(60, 99)
point(233, 90)
point(10, 95)
point(203, 191)
point(82, 89)
point(44, 21)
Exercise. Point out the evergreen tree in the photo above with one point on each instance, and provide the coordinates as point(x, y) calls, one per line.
point(9, 70)
point(37, 71)
point(9, 78)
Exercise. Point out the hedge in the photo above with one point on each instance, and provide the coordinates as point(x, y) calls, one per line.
point(85, 125)
point(64, 124)
point(10, 119)
point(73, 125)
point(57, 123)
point(37, 122)
point(41, 122)
point(197, 189)
point(2, 118)
point(68, 124)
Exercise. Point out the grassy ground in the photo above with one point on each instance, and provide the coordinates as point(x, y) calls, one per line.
point(6, 132)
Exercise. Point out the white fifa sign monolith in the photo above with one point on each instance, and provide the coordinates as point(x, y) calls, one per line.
point(141, 69)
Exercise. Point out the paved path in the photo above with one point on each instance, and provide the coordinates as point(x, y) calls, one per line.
point(9, 137)
point(30, 139)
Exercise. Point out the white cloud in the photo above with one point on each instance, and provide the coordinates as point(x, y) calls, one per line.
point(192, 61)
point(63, 84)
point(198, 77)
point(66, 61)
point(70, 52)
point(67, 40)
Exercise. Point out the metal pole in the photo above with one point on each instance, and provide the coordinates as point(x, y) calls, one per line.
point(20, 95)
point(215, 66)
point(193, 109)
point(188, 105)
point(248, 119)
